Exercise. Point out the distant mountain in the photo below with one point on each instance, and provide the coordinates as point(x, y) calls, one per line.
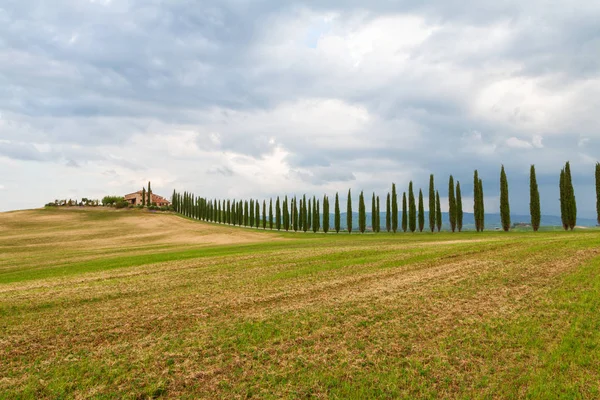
point(492, 221)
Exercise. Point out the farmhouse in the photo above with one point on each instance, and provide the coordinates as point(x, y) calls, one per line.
point(136, 199)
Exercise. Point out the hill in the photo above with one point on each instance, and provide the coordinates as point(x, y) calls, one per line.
point(132, 304)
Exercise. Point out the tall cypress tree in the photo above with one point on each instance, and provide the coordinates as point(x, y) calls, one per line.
point(149, 193)
point(318, 216)
point(451, 204)
point(421, 212)
point(563, 201)
point(251, 214)
point(325, 214)
point(431, 204)
point(388, 214)
point(271, 214)
point(233, 213)
point(378, 216)
point(349, 212)
point(598, 191)
point(394, 208)
point(481, 205)
point(438, 211)
point(286, 215)
point(404, 213)
point(300, 216)
point(337, 216)
point(315, 216)
point(304, 214)
point(264, 215)
point(278, 214)
point(504, 202)
point(295, 214)
point(373, 214)
point(310, 212)
point(534, 200)
point(570, 197)
point(459, 208)
point(362, 213)
point(412, 209)
point(246, 213)
point(143, 197)
point(257, 211)
point(476, 201)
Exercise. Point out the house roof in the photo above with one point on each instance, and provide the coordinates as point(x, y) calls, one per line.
point(155, 198)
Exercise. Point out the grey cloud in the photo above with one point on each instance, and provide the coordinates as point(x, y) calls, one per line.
point(222, 170)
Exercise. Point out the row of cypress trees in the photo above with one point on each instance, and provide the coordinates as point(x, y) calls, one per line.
point(305, 215)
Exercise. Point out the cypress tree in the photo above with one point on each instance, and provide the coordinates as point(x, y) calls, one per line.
point(598, 191)
point(438, 211)
point(278, 214)
point(349, 212)
point(476, 201)
point(504, 202)
point(337, 216)
point(257, 217)
point(459, 208)
point(412, 209)
point(451, 204)
point(298, 220)
point(286, 214)
point(264, 215)
point(362, 213)
point(325, 214)
point(251, 214)
point(373, 214)
point(295, 214)
point(305, 214)
point(378, 216)
point(563, 201)
point(143, 197)
point(388, 214)
point(271, 214)
point(233, 213)
point(310, 212)
point(534, 200)
point(404, 213)
point(571, 205)
point(229, 212)
point(149, 192)
point(246, 213)
point(421, 212)
point(300, 216)
point(431, 204)
point(318, 216)
point(481, 205)
point(394, 208)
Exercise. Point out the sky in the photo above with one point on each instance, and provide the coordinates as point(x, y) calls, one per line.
point(240, 99)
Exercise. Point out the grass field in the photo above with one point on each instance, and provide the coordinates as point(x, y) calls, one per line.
point(129, 304)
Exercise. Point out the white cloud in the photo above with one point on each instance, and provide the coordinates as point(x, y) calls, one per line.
point(516, 143)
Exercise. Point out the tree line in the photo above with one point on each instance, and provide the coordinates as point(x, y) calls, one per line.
point(312, 214)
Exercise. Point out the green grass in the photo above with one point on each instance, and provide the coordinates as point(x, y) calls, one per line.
point(131, 305)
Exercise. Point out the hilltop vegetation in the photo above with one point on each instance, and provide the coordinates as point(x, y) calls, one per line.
point(132, 304)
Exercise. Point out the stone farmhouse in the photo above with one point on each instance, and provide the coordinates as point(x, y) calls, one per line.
point(136, 199)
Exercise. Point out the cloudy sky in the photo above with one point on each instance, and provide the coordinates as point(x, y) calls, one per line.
point(234, 98)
